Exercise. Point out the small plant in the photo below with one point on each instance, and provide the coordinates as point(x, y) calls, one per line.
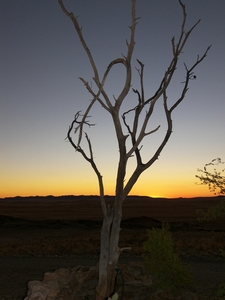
point(213, 213)
point(219, 293)
point(222, 252)
point(212, 175)
point(167, 269)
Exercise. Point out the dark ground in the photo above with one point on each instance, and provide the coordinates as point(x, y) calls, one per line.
point(31, 248)
point(31, 244)
point(16, 271)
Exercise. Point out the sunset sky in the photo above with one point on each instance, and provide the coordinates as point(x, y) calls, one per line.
point(41, 60)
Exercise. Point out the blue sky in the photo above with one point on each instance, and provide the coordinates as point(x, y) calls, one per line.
point(41, 60)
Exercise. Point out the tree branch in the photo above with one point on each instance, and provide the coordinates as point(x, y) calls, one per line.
point(136, 140)
point(189, 74)
point(80, 35)
point(90, 160)
point(127, 61)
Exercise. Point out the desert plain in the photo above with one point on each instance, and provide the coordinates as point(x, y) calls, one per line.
point(40, 234)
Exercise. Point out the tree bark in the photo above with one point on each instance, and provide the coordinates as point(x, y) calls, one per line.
point(110, 251)
point(101, 289)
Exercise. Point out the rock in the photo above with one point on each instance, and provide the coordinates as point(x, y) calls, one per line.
point(133, 281)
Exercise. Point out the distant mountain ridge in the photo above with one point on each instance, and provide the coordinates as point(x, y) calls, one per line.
point(75, 197)
point(70, 207)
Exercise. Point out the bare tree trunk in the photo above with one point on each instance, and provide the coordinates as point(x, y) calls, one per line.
point(110, 251)
point(101, 289)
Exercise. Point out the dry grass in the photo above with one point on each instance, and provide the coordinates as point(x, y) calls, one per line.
point(201, 243)
point(187, 243)
point(69, 238)
point(60, 246)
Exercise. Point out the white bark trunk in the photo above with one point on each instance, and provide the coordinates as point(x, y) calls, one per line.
point(109, 254)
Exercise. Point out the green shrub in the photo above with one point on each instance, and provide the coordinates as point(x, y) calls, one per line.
point(213, 213)
point(219, 293)
point(165, 266)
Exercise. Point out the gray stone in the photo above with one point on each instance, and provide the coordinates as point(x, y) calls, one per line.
point(80, 283)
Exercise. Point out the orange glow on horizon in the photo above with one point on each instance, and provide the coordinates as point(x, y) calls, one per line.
point(158, 186)
point(196, 191)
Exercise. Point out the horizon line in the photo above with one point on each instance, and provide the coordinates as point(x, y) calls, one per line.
point(108, 195)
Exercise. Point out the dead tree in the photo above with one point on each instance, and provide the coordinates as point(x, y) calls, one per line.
point(130, 135)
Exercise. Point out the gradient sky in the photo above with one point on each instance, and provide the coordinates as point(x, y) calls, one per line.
point(41, 60)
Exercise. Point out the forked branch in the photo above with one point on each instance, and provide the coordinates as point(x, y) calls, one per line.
point(89, 158)
point(138, 136)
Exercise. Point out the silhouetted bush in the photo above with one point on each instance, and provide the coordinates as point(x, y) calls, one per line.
point(165, 266)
